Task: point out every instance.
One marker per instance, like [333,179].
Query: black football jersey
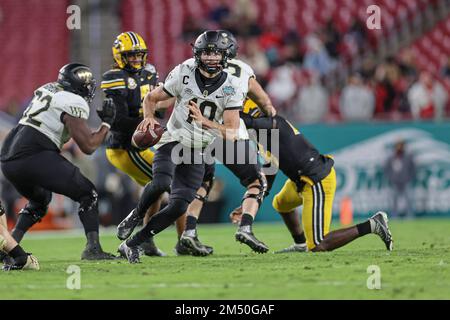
[128,91]
[297,157]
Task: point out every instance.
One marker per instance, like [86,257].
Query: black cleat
[192,242]
[382,229]
[130,253]
[126,227]
[181,250]
[96,253]
[150,249]
[31,263]
[245,235]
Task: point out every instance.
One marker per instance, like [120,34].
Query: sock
[299,238]
[137,239]
[17,251]
[89,218]
[246,220]
[191,223]
[93,240]
[364,228]
[20,257]
[24,222]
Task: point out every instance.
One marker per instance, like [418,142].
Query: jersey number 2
[212,110]
[41,99]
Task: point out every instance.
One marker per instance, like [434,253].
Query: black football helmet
[234,47]
[78,78]
[211,41]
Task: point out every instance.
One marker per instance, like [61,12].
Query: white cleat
[296,247]
[382,229]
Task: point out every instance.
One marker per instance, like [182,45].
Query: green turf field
[418,268]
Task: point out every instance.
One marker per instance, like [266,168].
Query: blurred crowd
[294,70]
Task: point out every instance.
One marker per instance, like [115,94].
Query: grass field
[418,268]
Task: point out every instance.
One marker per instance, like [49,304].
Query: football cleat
[130,253]
[96,253]
[192,242]
[382,229]
[126,227]
[181,250]
[296,247]
[150,249]
[245,235]
[31,264]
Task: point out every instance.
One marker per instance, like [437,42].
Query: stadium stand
[35,40]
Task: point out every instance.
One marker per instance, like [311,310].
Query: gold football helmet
[130,51]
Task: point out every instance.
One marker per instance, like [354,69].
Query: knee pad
[88,202]
[207,184]
[262,187]
[35,211]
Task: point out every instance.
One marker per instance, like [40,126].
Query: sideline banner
[360,151]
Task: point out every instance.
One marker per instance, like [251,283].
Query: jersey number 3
[209,113]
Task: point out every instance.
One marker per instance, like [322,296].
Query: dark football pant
[241,160]
[185,179]
[36,177]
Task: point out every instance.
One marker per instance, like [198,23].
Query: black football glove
[107,112]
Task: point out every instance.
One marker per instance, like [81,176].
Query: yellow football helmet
[129,43]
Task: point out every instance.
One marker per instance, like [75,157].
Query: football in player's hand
[147,139]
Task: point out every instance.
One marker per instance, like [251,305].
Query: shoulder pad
[150,68]
[114,79]
[114,74]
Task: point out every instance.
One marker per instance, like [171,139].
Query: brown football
[147,139]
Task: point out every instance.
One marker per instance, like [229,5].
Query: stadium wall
[360,151]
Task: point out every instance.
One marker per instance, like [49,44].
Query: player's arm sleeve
[172,84]
[114,87]
[122,121]
[258,123]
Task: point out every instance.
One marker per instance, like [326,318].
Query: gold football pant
[136,164]
[317,200]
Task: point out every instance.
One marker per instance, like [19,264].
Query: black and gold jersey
[128,91]
[297,157]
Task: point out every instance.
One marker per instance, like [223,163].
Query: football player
[22,260]
[311,183]
[127,84]
[31,159]
[206,97]
[254,92]
[291,146]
